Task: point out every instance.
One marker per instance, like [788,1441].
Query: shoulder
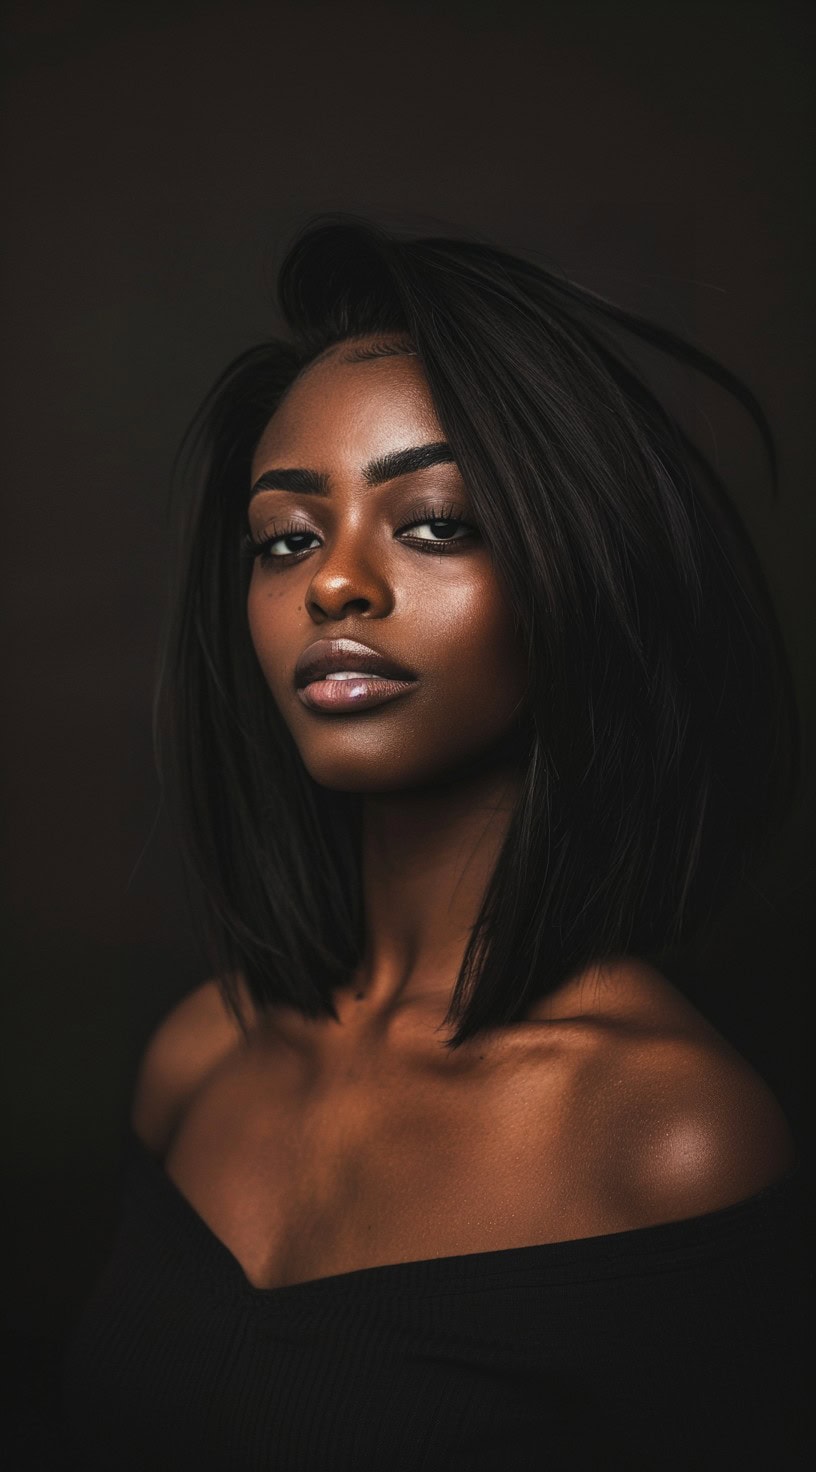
[682,1124]
[195,1037]
[705,1129]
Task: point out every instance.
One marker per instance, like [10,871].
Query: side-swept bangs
[662,741]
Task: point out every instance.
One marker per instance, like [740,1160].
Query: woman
[473,703]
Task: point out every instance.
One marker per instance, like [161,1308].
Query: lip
[327,656]
[344,697]
[380,678]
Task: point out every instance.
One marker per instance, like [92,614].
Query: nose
[349,577]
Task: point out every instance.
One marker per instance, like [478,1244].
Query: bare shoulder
[705,1129]
[685,1124]
[195,1037]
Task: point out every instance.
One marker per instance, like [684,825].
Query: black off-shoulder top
[679,1345]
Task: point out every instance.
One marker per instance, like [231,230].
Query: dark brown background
[157,159]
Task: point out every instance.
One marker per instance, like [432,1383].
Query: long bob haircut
[662,745]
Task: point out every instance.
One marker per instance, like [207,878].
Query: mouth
[343,675]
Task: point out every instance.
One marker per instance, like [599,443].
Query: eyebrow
[375,473]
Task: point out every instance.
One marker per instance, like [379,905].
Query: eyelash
[252,549]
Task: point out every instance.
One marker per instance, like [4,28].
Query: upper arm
[704,1132]
[190,1042]
[700,1130]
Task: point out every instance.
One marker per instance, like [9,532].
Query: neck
[427,858]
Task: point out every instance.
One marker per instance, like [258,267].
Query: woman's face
[361,561]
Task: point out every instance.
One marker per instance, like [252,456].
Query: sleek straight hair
[661,747]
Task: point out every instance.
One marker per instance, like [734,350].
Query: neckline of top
[610,1254]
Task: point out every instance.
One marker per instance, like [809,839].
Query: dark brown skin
[318,1147]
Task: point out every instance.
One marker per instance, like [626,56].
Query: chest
[305,1175]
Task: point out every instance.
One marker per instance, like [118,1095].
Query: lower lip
[343,696]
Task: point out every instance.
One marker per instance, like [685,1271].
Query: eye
[271,549]
[445,523]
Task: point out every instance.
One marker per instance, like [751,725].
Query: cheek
[273,621]
[474,653]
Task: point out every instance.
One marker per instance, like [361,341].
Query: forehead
[349,411]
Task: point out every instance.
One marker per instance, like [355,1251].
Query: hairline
[382,346]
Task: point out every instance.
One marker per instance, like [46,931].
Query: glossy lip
[327,656]
[346,697]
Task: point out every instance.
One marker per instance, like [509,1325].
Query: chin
[368,770]
[366,778]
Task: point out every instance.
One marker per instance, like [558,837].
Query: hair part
[366,352]
[662,748]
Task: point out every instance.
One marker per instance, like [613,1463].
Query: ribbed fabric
[672,1346]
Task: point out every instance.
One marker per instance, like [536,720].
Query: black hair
[663,738]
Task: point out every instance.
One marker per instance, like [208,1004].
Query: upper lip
[327,655]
